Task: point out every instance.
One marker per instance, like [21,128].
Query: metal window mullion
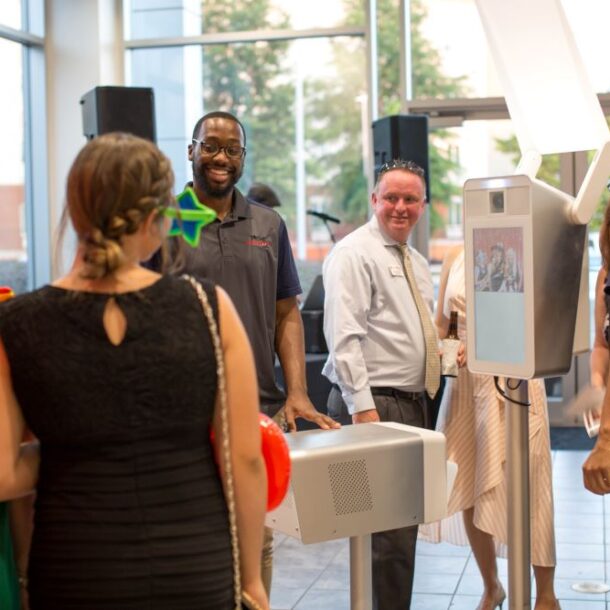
[406,63]
[20,36]
[35,178]
[248,36]
[372,87]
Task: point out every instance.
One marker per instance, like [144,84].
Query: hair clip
[189,218]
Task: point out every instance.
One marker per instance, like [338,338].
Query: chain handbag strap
[224,423]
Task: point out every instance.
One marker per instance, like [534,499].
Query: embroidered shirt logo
[260,243]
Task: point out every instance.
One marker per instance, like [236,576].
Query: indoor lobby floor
[316,577]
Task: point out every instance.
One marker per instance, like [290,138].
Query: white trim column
[83,50]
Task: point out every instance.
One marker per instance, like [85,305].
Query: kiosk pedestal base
[518,492]
[360,573]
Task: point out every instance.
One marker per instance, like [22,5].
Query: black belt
[377,391]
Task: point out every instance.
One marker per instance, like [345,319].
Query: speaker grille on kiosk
[349,482]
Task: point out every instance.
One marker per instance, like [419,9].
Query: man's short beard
[216,193]
[200,179]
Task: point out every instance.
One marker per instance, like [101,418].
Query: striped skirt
[473,420]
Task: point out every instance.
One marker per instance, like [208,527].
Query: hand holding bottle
[451,348]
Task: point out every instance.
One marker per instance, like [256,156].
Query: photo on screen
[498,260]
[499,294]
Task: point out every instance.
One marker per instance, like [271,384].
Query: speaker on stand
[402,137]
[128,109]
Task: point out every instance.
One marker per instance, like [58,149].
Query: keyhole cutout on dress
[115,322]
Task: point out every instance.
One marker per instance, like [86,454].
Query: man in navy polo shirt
[247,252]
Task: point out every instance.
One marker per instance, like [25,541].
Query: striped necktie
[433,362]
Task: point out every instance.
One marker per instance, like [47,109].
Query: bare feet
[493,599]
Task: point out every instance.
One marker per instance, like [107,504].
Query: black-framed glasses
[211,149]
[402,164]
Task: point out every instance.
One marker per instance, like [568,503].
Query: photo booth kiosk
[360,479]
[524,240]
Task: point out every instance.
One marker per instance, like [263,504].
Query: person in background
[473,421]
[15,536]
[121,393]
[263,193]
[9,583]
[246,250]
[596,469]
[383,347]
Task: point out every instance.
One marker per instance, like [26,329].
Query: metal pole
[300,161]
[372,90]
[518,496]
[360,573]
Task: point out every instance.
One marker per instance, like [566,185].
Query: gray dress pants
[393,551]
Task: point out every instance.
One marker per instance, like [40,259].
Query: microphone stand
[325,218]
[330,231]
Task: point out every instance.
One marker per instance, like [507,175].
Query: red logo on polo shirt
[260,243]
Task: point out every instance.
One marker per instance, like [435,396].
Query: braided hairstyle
[115,182]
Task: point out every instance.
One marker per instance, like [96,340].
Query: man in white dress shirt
[376,344]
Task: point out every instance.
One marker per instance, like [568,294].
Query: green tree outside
[249,80]
[254,81]
[348,188]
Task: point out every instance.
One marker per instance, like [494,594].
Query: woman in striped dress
[472,419]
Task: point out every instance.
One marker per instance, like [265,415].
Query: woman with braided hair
[132,511]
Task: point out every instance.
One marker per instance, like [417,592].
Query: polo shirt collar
[240,207]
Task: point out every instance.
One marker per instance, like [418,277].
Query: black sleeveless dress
[130,513]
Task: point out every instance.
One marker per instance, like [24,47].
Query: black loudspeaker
[402,137]
[129,109]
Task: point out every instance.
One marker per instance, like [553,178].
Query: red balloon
[277,460]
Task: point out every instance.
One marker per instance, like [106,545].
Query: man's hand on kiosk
[299,405]
[365,417]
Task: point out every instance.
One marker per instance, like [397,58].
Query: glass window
[151,18]
[440,45]
[589,21]
[474,150]
[10,13]
[466,58]
[13,238]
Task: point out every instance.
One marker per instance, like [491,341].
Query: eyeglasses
[211,149]
[401,164]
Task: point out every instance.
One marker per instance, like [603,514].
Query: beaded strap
[224,422]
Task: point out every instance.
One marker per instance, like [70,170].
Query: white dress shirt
[371,323]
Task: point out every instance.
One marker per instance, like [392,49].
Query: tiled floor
[316,576]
